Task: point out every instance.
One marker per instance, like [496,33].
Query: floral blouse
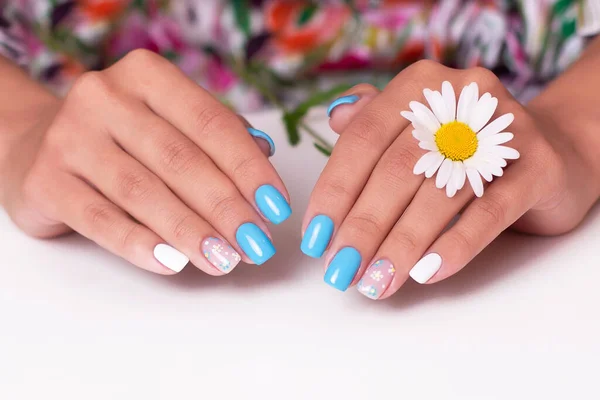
[252,52]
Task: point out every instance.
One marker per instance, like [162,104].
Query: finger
[95,217]
[355,155]
[264,141]
[343,109]
[386,195]
[211,126]
[188,172]
[146,198]
[423,221]
[484,219]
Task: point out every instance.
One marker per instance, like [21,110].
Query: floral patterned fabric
[249,52]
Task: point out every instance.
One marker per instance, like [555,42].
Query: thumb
[343,109]
[264,141]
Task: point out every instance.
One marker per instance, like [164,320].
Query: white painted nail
[170,257]
[426,268]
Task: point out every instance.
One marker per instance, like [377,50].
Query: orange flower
[282,18]
[102,9]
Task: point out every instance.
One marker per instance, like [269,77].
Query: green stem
[315,135]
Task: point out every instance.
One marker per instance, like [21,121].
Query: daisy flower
[461,144]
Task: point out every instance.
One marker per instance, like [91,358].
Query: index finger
[211,126]
[358,151]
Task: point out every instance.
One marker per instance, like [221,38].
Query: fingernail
[220,254]
[343,268]
[342,100]
[317,236]
[376,279]
[170,257]
[260,134]
[255,243]
[272,204]
[426,268]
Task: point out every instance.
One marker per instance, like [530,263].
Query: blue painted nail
[317,236]
[255,243]
[272,204]
[343,268]
[260,134]
[342,100]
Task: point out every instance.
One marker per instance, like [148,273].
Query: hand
[147,164]
[386,222]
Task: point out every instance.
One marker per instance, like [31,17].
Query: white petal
[451,187]
[485,172]
[433,169]
[475,181]
[423,135]
[475,91]
[424,116]
[496,126]
[443,174]
[482,112]
[493,159]
[428,146]
[459,175]
[494,169]
[436,102]
[426,161]
[408,115]
[496,139]
[449,99]
[508,153]
[462,112]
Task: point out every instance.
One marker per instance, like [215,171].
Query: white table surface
[520,322]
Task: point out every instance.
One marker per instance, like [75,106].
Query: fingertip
[344,109]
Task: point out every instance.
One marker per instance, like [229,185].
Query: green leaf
[319,98]
[292,119]
[322,149]
[306,14]
[291,122]
[242,15]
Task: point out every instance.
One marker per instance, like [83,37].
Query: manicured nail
[317,236]
[170,257]
[272,204]
[343,268]
[342,100]
[376,279]
[255,243]
[220,254]
[426,268]
[260,134]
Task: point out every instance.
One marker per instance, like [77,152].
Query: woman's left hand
[381,220]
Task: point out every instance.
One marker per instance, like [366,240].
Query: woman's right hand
[144,162]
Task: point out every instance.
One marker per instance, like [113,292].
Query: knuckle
[245,168]
[97,214]
[183,227]
[134,186]
[425,66]
[89,83]
[460,240]
[492,209]
[398,165]
[369,127]
[179,157]
[127,236]
[404,239]
[364,224]
[222,206]
[139,57]
[485,78]
[334,191]
[211,119]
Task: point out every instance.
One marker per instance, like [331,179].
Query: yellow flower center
[456,141]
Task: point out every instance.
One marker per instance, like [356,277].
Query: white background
[521,322]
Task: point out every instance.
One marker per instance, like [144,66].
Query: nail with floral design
[220,254]
[376,279]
